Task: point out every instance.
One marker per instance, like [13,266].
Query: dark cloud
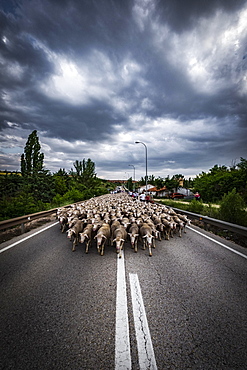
[92,77]
[181,16]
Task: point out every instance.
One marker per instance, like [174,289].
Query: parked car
[189,197]
[177,196]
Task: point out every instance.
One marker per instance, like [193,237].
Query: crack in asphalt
[141,321]
[144,342]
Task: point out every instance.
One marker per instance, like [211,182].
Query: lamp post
[140,142]
[131,165]
[127,177]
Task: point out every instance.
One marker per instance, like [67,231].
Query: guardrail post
[22,228]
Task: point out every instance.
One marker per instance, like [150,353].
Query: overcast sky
[94,76]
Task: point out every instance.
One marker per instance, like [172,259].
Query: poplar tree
[32,159]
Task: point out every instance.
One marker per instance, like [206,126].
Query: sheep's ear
[114,240]
[136,234]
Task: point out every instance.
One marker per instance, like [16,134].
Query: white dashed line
[122,342]
[143,337]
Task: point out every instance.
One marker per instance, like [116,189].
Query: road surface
[182,308]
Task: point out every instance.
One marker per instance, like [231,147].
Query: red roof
[155,189]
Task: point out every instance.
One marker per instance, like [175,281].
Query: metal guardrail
[241,230]
[6,224]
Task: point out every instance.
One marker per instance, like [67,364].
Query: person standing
[197,196]
[143,197]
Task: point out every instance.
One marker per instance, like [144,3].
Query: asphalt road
[58,307]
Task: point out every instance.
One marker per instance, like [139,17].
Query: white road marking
[122,342]
[216,241]
[143,337]
[27,237]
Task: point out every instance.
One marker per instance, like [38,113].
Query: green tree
[78,167]
[42,187]
[10,184]
[88,172]
[32,159]
[84,178]
[242,185]
[172,183]
[188,183]
[159,182]
[220,180]
[129,184]
[61,181]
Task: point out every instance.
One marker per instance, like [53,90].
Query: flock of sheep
[113,219]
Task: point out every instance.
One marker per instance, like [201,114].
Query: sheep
[102,236]
[86,236]
[168,226]
[159,226]
[73,233]
[146,237]
[63,221]
[125,222]
[97,225]
[119,237]
[185,219]
[155,232]
[60,211]
[179,225]
[134,234]
[118,212]
[115,224]
[72,221]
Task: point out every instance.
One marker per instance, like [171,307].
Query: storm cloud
[93,77]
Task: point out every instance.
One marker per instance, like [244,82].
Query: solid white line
[27,237]
[216,241]
[143,337]
[122,342]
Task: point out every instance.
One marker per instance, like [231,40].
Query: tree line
[36,189]
[212,185]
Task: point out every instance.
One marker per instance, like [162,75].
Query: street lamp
[127,177]
[140,142]
[131,165]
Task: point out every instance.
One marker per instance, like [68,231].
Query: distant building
[184,191]
[143,188]
[159,193]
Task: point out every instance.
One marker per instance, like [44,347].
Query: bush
[73,195]
[57,201]
[211,211]
[17,206]
[232,208]
[195,206]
